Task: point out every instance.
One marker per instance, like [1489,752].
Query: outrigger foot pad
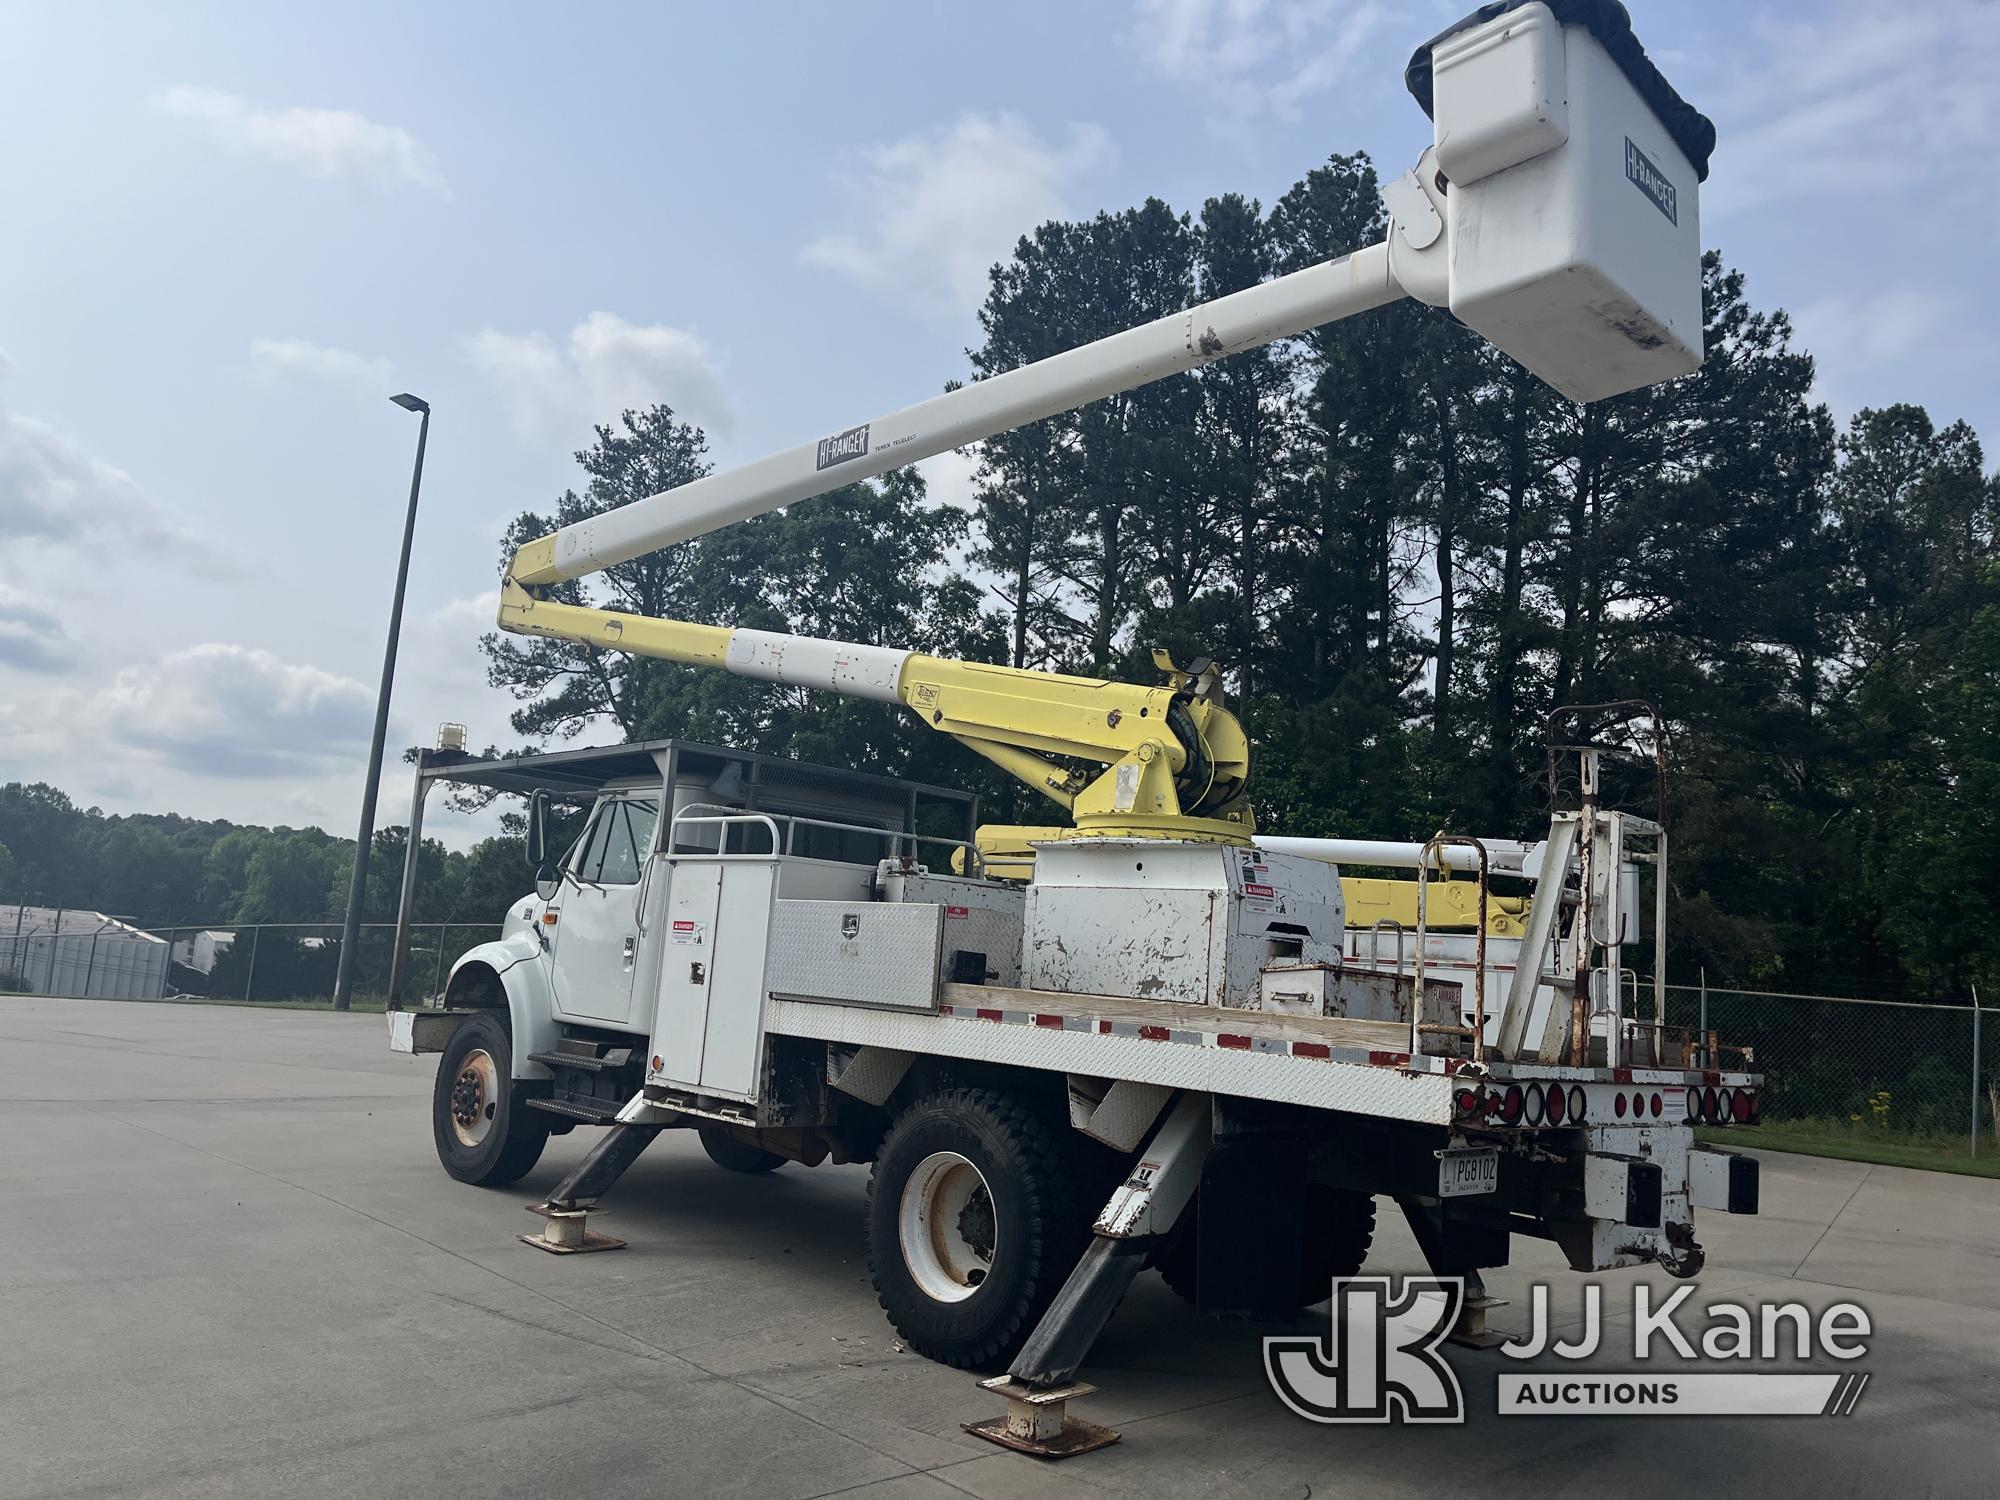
[1038,1421]
[567,1232]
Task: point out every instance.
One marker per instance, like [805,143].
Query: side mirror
[546,885]
[538,831]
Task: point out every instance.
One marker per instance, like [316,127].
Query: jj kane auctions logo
[1381,1360]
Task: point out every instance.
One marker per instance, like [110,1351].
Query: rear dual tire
[975,1218]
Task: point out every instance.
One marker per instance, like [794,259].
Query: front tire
[973,1223]
[485,1133]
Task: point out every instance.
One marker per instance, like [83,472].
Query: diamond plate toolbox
[885,954]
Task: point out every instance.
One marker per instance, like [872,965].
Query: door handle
[631,947]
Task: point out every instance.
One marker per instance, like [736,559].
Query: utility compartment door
[709,1028]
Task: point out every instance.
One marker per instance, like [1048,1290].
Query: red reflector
[1754,1111]
[1740,1107]
[1231,1040]
[1709,1106]
[1512,1103]
[1658,1105]
[1618,1106]
[1054,1023]
[1556,1104]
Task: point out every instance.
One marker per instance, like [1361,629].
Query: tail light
[1618,1105]
[1743,1107]
[1709,1105]
[1725,1107]
[1658,1105]
[1693,1105]
[1467,1101]
[1511,1104]
[1755,1110]
[1531,1104]
[1576,1104]
[1557,1105]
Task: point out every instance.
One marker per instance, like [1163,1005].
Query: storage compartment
[875,953]
[1571,204]
[1157,919]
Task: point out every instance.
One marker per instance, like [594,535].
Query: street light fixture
[357,890]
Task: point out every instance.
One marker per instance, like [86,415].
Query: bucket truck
[1145,1034]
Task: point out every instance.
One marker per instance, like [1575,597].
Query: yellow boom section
[1126,761]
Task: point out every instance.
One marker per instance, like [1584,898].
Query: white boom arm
[1579,257]
[1182,341]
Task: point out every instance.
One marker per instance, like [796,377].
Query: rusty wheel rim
[475,1097]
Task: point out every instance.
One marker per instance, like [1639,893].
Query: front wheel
[974,1221]
[485,1133]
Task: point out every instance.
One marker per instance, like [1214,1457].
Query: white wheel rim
[475,1097]
[946,1227]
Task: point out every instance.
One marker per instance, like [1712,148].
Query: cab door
[596,948]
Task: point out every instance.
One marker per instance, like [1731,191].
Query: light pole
[357,890]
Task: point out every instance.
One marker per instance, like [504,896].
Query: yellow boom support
[1126,761]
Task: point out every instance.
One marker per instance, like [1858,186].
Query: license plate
[1467,1174]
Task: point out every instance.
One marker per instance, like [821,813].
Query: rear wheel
[485,1133]
[1340,1228]
[974,1221]
[726,1149]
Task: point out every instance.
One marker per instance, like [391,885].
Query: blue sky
[232,231]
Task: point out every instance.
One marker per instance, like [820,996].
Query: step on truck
[1146,1033]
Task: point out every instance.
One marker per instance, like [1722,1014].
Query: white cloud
[1864,345]
[949,477]
[334,144]
[605,367]
[942,208]
[1854,100]
[221,710]
[280,359]
[52,489]
[1245,56]
[31,633]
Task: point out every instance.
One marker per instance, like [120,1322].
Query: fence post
[1701,1033]
[1975,1070]
[250,969]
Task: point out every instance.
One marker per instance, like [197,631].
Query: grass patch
[1846,1142]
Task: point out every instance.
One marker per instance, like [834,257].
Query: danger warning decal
[686,931]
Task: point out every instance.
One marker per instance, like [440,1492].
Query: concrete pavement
[230,1265]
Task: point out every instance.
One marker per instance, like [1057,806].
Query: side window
[628,839]
[589,858]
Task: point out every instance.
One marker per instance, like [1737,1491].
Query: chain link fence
[296,961]
[1882,1074]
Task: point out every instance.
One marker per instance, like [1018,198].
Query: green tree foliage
[166,871]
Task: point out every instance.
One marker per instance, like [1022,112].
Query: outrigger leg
[1454,1248]
[569,1205]
[1038,1385]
